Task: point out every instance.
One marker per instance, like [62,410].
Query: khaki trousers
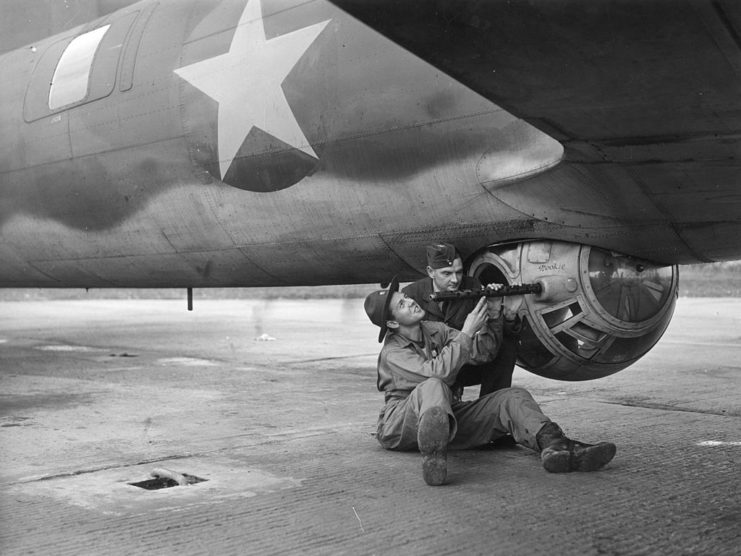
[472,424]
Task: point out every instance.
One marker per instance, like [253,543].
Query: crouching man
[417,366]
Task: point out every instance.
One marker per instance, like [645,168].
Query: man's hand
[511,306]
[476,318]
[494,304]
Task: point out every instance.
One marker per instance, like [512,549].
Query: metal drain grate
[164,478]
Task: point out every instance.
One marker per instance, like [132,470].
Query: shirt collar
[403,341]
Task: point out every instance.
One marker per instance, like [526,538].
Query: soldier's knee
[516,393]
[434,392]
[433,384]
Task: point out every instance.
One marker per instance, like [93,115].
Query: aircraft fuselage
[250,143]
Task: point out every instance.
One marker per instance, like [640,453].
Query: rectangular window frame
[102,75]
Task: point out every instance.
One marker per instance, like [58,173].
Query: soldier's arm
[405,366]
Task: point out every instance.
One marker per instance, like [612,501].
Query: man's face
[448,278]
[405,310]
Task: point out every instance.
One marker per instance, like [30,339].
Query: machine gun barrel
[504,291]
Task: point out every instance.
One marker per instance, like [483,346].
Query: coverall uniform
[416,377]
[493,374]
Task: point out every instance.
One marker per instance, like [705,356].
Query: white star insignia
[246,83]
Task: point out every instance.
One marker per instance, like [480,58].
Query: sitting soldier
[420,361]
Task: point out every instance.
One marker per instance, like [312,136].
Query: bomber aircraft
[588,147]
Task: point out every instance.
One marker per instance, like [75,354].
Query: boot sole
[595,457]
[432,438]
[586,459]
[556,462]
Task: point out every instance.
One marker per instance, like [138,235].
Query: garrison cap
[441,255]
[377,306]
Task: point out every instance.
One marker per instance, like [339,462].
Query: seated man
[445,274]
[420,361]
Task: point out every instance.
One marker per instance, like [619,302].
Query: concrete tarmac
[273,404]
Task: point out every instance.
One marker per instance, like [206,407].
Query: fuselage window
[72,75]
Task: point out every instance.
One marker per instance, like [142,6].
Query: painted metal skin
[278,142]
[645,97]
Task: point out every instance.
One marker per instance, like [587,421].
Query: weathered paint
[127,189]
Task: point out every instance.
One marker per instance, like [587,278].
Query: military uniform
[416,377]
[493,375]
[416,368]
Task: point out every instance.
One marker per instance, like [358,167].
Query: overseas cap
[377,306]
[441,255]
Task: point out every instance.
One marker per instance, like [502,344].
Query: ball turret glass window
[629,289]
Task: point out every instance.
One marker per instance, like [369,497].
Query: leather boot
[560,454]
[432,439]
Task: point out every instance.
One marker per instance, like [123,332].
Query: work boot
[432,439]
[560,454]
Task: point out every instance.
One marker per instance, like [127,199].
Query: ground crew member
[445,273]
[418,364]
